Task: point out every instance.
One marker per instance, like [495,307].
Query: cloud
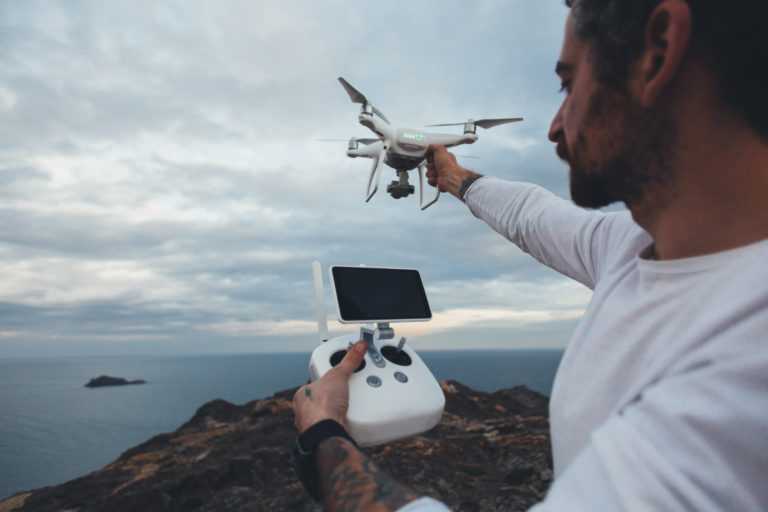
[56,281]
[161,185]
[492,318]
[262,328]
[8,99]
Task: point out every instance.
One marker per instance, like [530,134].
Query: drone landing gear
[399,188]
[375,177]
[422,168]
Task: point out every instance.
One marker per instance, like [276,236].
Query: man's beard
[633,157]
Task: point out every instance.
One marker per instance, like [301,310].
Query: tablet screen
[379,294]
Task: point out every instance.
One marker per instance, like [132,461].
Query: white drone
[404,149]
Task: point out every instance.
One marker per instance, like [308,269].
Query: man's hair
[731,36]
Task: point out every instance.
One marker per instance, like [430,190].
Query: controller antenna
[322,320]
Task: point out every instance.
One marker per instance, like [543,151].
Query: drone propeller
[483,123]
[358,97]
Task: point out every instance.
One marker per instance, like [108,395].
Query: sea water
[53,429]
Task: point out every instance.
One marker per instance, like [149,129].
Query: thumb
[431,150]
[435,148]
[352,360]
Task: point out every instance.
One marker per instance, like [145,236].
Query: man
[661,400]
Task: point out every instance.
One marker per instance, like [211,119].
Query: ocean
[53,429]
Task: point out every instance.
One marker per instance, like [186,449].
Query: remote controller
[392,394]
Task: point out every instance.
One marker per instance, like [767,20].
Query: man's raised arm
[578,243]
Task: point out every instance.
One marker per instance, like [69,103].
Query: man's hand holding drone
[444,172]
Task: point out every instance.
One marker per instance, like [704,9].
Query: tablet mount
[371,336]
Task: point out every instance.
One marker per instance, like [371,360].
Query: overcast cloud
[161,189]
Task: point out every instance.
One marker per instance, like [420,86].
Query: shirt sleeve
[696,441]
[424,505]
[569,239]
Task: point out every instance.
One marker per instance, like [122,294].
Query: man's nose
[556,127]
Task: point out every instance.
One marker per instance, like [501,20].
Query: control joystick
[396,356]
[337,356]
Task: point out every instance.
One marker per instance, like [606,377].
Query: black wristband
[468,183]
[304,453]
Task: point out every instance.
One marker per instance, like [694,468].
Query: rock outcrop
[103,381]
[491,451]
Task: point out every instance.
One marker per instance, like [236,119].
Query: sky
[162,190]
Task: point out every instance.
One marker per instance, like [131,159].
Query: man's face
[615,148]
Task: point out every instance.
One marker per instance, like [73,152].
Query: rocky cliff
[489,452]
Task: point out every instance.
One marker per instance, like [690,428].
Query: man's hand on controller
[444,172]
[348,480]
[327,397]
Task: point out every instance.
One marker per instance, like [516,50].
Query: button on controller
[373,381]
[401,377]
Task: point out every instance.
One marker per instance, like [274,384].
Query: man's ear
[667,40]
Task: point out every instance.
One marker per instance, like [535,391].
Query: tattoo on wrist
[350,481]
[468,181]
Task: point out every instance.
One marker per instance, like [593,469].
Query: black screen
[371,294]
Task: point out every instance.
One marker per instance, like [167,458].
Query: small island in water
[105,380]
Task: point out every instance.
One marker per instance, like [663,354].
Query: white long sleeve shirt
[661,399]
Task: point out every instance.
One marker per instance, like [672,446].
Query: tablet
[374,294]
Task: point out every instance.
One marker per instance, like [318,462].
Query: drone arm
[422,167]
[449,140]
[374,178]
[377,126]
[369,151]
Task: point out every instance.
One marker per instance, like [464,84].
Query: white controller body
[387,400]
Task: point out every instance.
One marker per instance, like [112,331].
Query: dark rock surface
[105,380]
[490,451]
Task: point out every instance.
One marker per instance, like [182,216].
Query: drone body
[403,149]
